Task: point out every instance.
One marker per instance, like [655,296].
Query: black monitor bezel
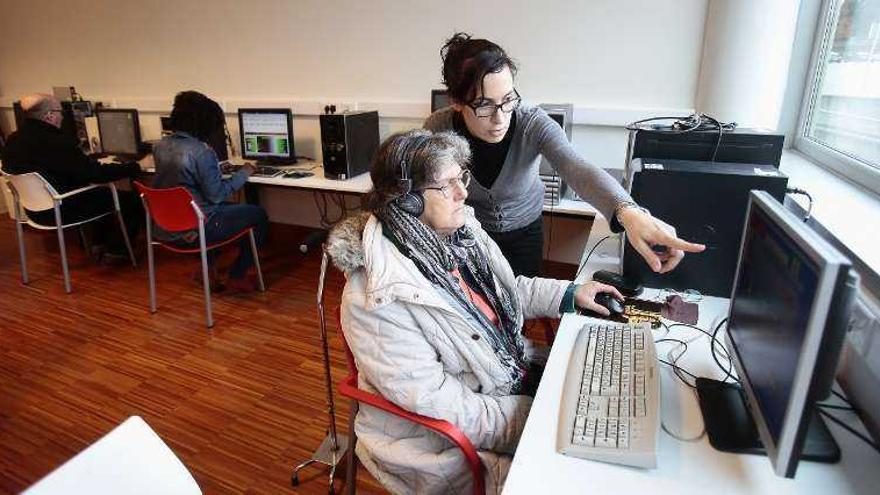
[291,158]
[137,129]
[785,454]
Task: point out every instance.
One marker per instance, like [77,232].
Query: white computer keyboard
[611,398]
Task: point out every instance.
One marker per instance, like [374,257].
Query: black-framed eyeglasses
[463,179]
[485,108]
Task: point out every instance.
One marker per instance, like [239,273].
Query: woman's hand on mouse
[646,233]
[585,296]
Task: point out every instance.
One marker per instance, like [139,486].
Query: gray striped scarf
[436,257]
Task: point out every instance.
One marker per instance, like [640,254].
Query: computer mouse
[608,302]
[627,287]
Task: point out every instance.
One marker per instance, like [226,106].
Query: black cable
[850,429]
[726,355]
[691,123]
[841,397]
[676,369]
[727,371]
[794,190]
[714,344]
[835,406]
[587,259]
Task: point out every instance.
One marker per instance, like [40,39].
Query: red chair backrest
[171,209]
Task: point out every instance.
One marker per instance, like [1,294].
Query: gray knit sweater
[516,198]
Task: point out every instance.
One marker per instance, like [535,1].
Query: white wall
[746,56]
[616,61]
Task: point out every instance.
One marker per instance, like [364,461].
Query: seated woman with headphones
[433,315]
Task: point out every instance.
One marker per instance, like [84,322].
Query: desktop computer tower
[348,142]
[706,202]
[741,145]
[554,186]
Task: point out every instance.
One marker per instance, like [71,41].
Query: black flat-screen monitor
[120,131]
[789,311]
[267,135]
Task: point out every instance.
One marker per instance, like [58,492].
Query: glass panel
[846,112]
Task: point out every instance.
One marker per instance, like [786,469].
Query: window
[840,120]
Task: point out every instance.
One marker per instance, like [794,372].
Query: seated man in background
[40,146]
[185,159]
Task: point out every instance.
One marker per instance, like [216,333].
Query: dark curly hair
[196,115]
[466,61]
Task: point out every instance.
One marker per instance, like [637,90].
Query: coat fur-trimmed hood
[345,245]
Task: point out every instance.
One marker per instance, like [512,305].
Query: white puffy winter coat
[418,351]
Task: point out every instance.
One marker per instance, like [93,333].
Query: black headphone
[409,201]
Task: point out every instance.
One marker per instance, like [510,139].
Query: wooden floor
[240,405]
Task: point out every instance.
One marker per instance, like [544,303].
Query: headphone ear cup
[412,203]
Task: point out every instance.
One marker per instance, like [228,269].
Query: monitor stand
[730,427]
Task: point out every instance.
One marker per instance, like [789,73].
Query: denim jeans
[227,219]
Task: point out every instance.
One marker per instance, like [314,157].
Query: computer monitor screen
[267,134]
[165,122]
[120,131]
[439,99]
[788,315]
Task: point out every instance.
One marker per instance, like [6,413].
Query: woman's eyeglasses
[485,109]
[463,179]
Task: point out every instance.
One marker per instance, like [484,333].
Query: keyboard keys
[614,410]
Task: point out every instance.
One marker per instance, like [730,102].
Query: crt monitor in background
[789,310]
[120,131]
[439,99]
[267,134]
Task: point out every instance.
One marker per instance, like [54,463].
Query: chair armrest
[78,191]
[348,389]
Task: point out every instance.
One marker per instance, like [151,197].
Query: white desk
[359,185]
[683,467]
[130,460]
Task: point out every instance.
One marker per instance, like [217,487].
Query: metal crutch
[332,449]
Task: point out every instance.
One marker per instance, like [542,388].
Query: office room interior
[237,406]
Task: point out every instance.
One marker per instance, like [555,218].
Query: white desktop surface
[360,184]
[130,460]
[683,467]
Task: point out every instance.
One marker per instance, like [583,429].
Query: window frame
[849,167]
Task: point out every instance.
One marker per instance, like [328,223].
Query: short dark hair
[425,154]
[196,115]
[466,61]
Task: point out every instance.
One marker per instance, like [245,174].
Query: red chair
[174,210]
[349,388]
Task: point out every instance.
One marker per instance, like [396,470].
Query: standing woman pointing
[507,139]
